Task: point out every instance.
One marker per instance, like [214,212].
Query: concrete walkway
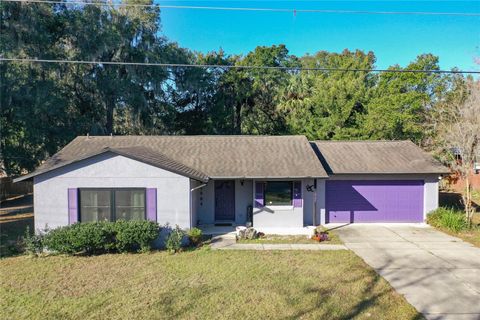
[281,246]
[228,242]
[438,274]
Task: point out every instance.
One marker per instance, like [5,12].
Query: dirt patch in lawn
[201,284]
[299,239]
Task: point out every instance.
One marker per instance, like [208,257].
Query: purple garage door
[374,201]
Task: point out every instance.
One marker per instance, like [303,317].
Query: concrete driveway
[438,274]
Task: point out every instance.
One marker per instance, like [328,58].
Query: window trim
[112,200]
[278,206]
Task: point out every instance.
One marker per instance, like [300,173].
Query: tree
[400,102]
[458,128]
[329,104]
[44,106]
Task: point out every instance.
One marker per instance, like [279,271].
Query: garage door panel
[374,201]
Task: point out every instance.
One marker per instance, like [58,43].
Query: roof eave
[204,178]
[269,177]
[392,173]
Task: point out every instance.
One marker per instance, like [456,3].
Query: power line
[292,10]
[219,66]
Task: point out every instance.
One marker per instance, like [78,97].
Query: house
[269,181]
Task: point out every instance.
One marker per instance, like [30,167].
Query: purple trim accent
[151,195]
[297,194]
[374,201]
[72,205]
[259,195]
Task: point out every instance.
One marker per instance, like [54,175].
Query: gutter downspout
[191,200]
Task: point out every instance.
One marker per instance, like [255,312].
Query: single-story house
[268,181]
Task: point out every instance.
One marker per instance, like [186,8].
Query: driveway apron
[438,274]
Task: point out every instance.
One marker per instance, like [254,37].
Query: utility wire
[185,65]
[294,11]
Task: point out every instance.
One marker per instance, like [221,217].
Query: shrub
[195,236]
[33,243]
[101,237]
[447,218]
[135,235]
[174,240]
[89,238]
[248,233]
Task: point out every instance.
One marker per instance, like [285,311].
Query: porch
[215,230]
[273,206]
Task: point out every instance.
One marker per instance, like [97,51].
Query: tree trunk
[110,106]
[238,118]
[468,201]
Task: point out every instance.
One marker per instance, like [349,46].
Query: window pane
[130,204]
[278,193]
[126,213]
[95,205]
[91,214]
[95,198]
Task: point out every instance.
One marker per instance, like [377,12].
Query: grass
[453,201]
[12,228]
[469,235]
[201,284]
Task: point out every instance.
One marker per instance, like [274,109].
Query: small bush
[101,237]
[33,243]
[195,236]
[447,218]
[88,238]
[174,240]
[248,234]
[135,235]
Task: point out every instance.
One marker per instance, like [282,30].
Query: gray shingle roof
[212,156]
[376,157]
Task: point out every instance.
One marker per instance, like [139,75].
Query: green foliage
[135,235]
[44,106]
[102,237]
[450,219]
[88,238]
[33,243]
[174,240]
[330,104]
[195,236]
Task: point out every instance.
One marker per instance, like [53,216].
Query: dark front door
[224,200]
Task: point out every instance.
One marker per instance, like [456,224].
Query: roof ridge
[199,135]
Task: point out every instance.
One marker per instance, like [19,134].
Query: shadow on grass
[12,231]
[371,292]
[454,200]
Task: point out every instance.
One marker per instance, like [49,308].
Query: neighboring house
[456,183]
[270,181]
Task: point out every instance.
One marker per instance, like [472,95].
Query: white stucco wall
[205,202]
[285,216]
[110,171]
[430,194]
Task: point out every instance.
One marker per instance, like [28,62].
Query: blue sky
[395,39]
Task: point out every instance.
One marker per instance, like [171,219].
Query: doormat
[223,224]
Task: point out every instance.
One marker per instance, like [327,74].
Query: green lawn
[12,229]
[200,284]
[286,239]
[453,200]
[471,235]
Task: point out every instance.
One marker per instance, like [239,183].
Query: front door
[224,200]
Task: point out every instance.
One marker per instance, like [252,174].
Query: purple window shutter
[151,196]
[297,194]
[72,205]
[259,197]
